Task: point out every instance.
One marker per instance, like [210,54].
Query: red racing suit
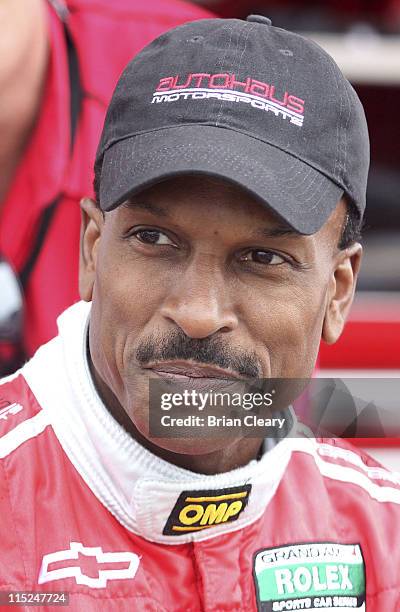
[313,524]
[106,36]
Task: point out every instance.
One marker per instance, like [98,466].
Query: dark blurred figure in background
[384,14]
[59,63]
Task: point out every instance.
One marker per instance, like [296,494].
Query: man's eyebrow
[265,232]
[277,231]
[147,206]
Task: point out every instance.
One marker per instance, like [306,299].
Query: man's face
[194,277]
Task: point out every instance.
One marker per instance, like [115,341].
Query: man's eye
[263,257]
[152,236]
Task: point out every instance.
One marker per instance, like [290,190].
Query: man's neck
[22,81]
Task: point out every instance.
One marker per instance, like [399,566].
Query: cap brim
[302,196]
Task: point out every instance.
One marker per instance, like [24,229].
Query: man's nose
[199,302]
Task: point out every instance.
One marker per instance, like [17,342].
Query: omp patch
[313,576]
[197,510]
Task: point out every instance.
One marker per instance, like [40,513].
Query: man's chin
[157,429]
[179,442]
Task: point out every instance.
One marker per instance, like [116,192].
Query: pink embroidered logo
[226,87]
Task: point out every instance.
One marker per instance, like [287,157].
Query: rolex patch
[313,576]
[198,510]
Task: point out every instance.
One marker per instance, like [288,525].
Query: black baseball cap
[257,105]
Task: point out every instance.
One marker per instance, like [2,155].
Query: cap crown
[268,83]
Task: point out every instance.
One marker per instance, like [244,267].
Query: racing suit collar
[148,495]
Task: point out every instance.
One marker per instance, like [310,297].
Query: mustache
[211,351]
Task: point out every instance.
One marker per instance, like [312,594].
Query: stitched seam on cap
[257,170]
[346,133]
[222,62]
[337,167]
[230,129]
[247,30]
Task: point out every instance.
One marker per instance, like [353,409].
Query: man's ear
[341,292]
[92,222]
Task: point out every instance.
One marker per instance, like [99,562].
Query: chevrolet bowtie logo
[98,558]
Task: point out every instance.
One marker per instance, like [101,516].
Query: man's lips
[184,369]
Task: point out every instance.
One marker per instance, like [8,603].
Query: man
[59,63]
[230,182]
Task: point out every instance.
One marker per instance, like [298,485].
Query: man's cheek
[292,337]
[137,290]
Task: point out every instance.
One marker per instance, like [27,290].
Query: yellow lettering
[214,514]
[189,520]
[211,514]
[233,509]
